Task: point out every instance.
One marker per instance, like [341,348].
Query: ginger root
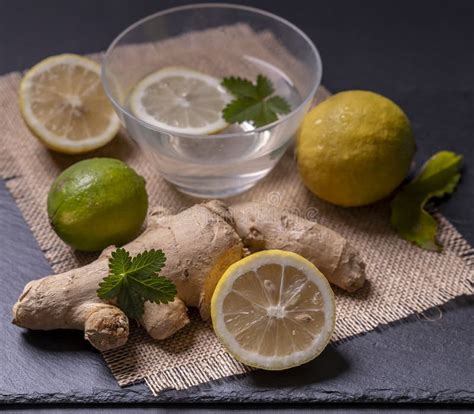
[264,227]
[200,243]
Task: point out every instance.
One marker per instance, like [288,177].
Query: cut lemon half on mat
[63,103]
[273,310]
[180,100]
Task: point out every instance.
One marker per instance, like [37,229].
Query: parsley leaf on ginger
[438,177]
[134,280]
[253,102]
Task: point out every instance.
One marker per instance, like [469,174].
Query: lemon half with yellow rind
[62,101]
[273,310]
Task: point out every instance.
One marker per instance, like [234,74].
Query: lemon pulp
[63,103]
[273,310]
[180,100]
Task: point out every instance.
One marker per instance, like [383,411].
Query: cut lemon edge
[253,358]
[140,111]
[63,143]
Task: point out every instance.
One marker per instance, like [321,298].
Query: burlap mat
[402,279]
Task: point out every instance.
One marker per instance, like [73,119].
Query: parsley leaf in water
[254,102]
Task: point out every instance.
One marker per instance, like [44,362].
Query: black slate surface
[248,409]
[425,358]
[421,55]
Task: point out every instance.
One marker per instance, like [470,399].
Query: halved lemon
[180,100]
[273,310]
[63,103]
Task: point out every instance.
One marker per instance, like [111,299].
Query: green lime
[355,148]
[96,203]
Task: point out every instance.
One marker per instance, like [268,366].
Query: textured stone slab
[418,360]
[379,47]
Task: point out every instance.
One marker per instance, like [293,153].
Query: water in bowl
[219,166]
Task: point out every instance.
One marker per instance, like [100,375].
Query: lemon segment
[180,100]
[63,103]
[273,310]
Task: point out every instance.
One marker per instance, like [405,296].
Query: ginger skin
[199,243]
[264,227]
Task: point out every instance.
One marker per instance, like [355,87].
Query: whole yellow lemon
[355,148]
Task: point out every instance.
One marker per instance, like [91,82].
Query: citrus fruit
[355,148]
[96,203]
[273,310]
[63,103]
[180,100]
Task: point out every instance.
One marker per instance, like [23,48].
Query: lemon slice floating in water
[180,100]
[273,310]
[63,103]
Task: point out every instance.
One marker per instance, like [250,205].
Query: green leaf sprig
[437,178]
[134,280]
[253,102]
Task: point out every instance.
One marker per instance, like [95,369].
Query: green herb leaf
[253,102]
[157,289]
[132,281]
[130,301]
[278,104]
[438,177]
[148,262]
[264,87]
[240,88]
[120,261]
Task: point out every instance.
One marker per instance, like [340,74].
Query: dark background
[418,53]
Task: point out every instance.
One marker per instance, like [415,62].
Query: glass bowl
[220,40]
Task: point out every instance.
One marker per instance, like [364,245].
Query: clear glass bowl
[220,40]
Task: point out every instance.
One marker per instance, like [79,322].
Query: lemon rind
[138,110]
[51,140]
[272,362]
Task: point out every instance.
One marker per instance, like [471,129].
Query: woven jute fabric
[402,279]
